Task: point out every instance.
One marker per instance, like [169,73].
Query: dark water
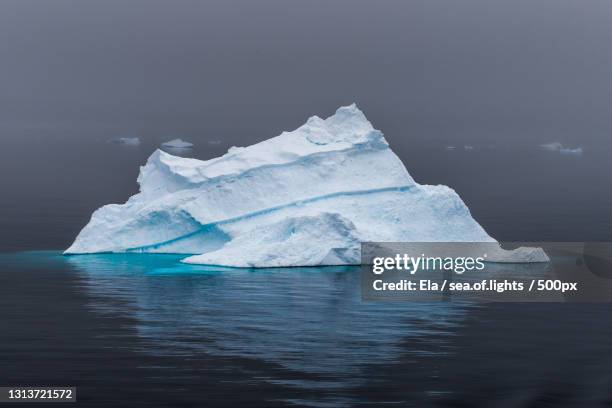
[143,330]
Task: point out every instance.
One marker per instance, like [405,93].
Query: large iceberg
[306,197]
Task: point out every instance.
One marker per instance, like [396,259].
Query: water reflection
[308,320]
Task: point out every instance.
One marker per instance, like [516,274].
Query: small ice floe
[566,150]
[468,147]
[553,147]
[128,141]
[450,147]
[177,144]
[558,147]
[214,142]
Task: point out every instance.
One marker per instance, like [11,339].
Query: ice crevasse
[306,197]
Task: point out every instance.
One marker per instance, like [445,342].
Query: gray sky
[428,70]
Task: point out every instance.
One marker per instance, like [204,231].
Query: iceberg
[304,198]
[558,147]
[569,150]
[177,144]
[553,146]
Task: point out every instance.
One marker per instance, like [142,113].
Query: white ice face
[306,197]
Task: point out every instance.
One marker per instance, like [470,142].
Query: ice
[559,147]
[177,144]
[306,197]
[567,150]
[333,241]
[554,146]
[128,141]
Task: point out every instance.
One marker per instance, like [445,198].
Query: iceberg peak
[350,113]
[346,129]
[347,125]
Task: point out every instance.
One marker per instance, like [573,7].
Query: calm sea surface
[145,330]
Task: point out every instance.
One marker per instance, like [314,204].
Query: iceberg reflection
[310,320]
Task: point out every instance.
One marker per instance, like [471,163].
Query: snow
[128,141]
[177,144]
[306,197]
[281,243]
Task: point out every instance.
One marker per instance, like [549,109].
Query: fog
[425,72]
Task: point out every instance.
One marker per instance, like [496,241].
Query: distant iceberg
[553,147]
[304,198]
[566,150]
[558,147]
[177,144]
[128,141]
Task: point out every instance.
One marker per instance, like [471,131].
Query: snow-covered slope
[306,197]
